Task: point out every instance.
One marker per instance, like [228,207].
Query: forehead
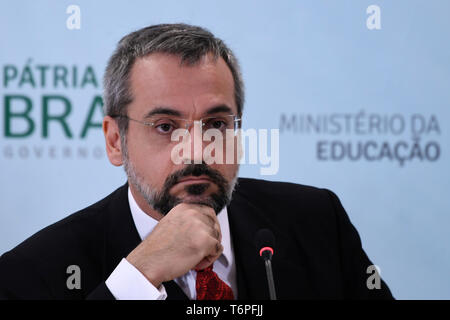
[161,80]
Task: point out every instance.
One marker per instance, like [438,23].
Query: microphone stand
[268,264]
[267,257]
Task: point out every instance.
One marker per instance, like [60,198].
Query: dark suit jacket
[318,253]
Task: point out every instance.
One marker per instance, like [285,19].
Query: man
[186,229]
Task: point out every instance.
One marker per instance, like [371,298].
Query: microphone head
[265,242]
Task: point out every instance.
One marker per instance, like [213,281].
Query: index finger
[206,209]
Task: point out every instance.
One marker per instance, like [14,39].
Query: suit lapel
[247,215]
[245,220]
[121,236]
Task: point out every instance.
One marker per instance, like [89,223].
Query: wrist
[147,270]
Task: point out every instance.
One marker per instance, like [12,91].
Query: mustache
[196,170]
[165,202]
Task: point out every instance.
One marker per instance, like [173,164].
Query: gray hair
[189,42]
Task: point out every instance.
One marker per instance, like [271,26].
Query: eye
[164,128]
[216,123]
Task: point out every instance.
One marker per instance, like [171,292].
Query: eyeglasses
[162,127]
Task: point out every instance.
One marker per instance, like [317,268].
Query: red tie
[210,287]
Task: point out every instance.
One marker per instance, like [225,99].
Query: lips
[192,179]
[201,179]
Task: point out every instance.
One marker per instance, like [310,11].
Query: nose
[194,134]
[197,147]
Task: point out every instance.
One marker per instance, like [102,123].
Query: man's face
[163,88]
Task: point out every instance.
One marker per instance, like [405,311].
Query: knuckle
[189,212]
[200,240]
[195,245]
[195,224]
[210,212]
[216,233]
[220,249]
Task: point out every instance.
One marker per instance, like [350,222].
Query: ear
[112,139]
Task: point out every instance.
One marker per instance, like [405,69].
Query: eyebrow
[218,109]
[163,110]
[173,112]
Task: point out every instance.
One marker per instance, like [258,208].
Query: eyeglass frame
[236,120]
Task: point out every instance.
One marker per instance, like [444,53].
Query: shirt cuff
[128,283]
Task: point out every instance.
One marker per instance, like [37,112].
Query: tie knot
[210,287]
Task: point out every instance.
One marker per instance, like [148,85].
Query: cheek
[229,153]
[228,171]
[151,164]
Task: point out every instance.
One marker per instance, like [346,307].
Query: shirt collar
[145,224]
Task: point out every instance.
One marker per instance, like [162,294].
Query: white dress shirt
[128,283]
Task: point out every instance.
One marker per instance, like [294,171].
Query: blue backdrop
[361,98]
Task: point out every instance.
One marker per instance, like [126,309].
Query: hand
[187,237]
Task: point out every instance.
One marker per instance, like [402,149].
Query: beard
[162,201]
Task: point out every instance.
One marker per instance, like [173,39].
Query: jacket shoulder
[37,268]
[285,203]
[81,229]
[264,189]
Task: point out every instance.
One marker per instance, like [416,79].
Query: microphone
[265,242]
